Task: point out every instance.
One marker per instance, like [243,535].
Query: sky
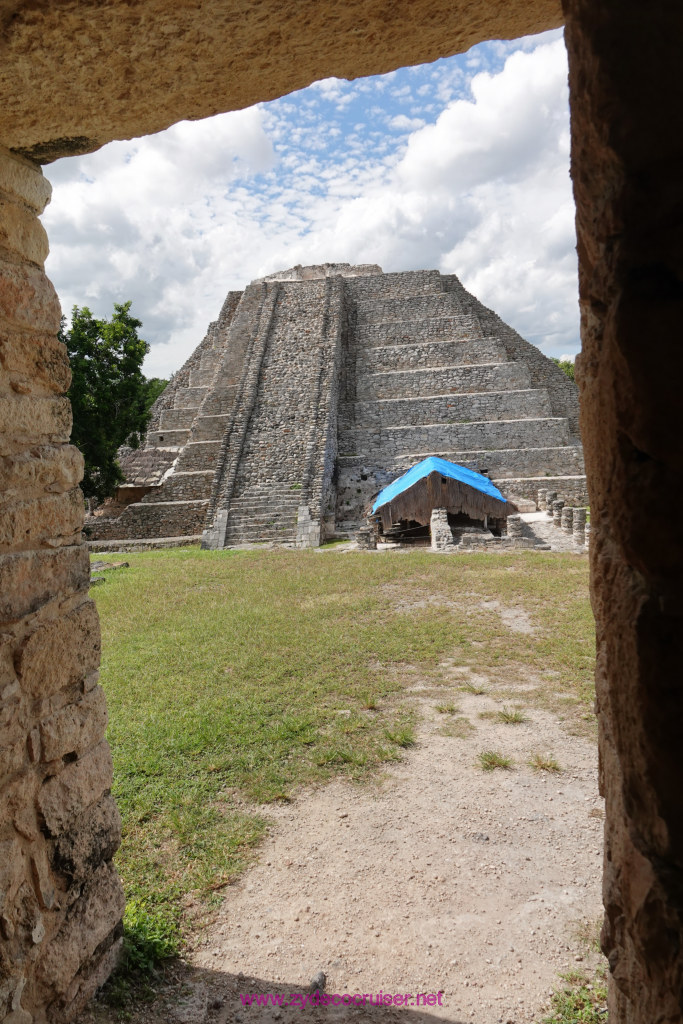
[461,166]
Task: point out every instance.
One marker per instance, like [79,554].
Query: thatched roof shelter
[436,483]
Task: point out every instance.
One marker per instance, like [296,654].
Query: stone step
[486,406]
[210,428]
[443,380]
[425,355]
[252,522]
[245,511]
[403,332]
[398,285]
[220,401]
[182,486]
[236,522]
[189,398]
[415,307]
[198,455]
[260,535]
[167,438]
[159,519]
[564,460]
[382,443]
[254,502]
[202,375]
[177,419]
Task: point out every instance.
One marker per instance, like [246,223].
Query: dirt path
[436,878]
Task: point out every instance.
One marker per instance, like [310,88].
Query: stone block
[28,420]
[29,579]
[14,714]
[24,180]
[17,1015]
[44,469]
[63,798]
[32,523]
[27,297]
[75,728]
[12,757]
[95,838]
[42,880]
[40,360]
[88,923]
[441,533]
[92,976]
[21,232]
[12,871]
[515,526]
[17,804]
[61,652]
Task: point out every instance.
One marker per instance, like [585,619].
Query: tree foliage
[567,366]
[110,396]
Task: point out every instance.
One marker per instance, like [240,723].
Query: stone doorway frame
[58,829]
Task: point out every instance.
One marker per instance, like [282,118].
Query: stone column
[579,526]
[442,535]
[366,538]
[587,535]
[541,501]
[307,529]
[558,505]
[567,519]
[550,497]
[514,526]
[61,901]
[626,95]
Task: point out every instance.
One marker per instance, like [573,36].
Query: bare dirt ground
[436,877]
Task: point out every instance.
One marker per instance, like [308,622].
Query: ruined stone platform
[317,386]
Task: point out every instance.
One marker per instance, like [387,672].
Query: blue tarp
[436,465]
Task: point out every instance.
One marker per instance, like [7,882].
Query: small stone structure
[515,526]
[558,505]
[249,443]
[579,526]
[567,519]
[440,531]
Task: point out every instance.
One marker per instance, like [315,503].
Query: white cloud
[406,124]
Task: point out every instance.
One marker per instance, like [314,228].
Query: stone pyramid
[317,386]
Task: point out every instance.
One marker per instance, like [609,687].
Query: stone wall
[60,900]
[626,160]
[543,372]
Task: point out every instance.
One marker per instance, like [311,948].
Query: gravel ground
[438,877]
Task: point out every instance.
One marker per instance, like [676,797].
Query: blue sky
[461,165]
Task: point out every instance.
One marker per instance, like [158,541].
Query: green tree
[109,394]
[566,365]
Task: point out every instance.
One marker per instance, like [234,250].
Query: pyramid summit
[318,386]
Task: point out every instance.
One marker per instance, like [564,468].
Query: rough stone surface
[439,530]
[627,184]
[253,443]
[63,798]
[59,908]
[142,66]
[37,362]
[61,652]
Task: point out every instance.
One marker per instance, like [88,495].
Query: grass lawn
[234,677]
